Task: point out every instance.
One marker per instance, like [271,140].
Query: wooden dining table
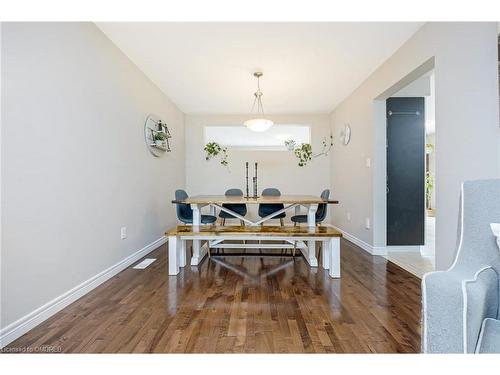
[295,202]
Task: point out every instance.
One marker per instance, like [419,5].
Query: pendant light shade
[260,123]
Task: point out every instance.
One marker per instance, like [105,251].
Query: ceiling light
[259,124]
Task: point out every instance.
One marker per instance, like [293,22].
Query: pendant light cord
[258,99]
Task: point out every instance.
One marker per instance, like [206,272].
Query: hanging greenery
[303,153]
[327,146]
[213,149]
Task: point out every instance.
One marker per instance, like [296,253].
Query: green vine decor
[213,149]
[303,153]
[327,146]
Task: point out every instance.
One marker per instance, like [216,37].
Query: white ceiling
[308,67]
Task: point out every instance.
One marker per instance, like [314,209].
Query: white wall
[74,163]
[467,131]
[419,87]
[276,168]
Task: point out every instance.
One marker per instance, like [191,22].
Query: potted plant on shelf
[159,139]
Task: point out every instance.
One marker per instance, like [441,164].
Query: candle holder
[248,192]
[255,181]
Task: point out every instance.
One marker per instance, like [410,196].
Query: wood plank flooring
[232,304]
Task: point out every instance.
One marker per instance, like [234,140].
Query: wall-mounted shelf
[162,148]
[156,135]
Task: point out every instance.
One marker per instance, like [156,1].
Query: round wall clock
[345,134]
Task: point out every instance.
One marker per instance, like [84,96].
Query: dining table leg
[311,215]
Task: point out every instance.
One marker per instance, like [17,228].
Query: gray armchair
[461,305]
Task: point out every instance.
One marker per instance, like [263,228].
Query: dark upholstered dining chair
[185,212]
[266,209]
[320,212]
[240,209]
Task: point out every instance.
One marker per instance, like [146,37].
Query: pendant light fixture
[258,124]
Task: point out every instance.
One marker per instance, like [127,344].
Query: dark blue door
[405,171]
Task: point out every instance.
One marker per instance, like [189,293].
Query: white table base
[309,254]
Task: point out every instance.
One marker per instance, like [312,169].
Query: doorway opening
[411,171]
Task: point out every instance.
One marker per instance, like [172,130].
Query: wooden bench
[295,236]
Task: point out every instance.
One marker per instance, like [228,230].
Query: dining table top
[226,199]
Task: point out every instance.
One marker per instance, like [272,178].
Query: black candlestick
[248,193]
[255,182]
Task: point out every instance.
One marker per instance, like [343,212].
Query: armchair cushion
[480,303]
[489,340]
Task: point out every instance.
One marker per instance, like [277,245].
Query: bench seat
[208,231]
[329,237]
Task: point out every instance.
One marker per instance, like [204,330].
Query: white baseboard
[34,318]
[404,249]
[373,250]
[379,250]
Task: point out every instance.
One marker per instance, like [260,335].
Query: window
[238,136]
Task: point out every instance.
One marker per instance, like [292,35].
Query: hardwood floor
[234,304]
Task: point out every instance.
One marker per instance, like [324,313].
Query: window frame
[255,147]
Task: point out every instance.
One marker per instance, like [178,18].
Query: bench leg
[310,253]
[334,245]
[325,254]
[199,252]
[182,253]
[195,259]
[174,244]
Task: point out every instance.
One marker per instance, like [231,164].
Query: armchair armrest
[454,308]
[442,312]
[480,302]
